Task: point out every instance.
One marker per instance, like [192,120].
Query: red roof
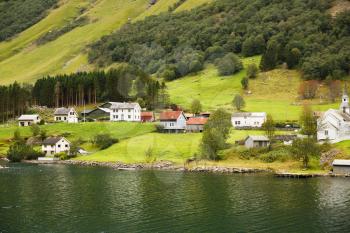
[197,121]
[146,114]
[170,115]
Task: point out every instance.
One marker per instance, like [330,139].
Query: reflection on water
[55,198]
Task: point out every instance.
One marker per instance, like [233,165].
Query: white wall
[132,114]
[62,146]
[255,122]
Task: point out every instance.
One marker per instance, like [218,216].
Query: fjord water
[57,198]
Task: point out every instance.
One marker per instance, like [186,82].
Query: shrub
[20,151]
[159,128]
[245,83]
[62,156]
[229,64]
[281,154]
[103,141]
[249,153]
[35,130]
[252,71]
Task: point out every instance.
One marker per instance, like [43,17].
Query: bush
[281,154]
[245,83]
[103,141]
[229,64]
[62,156]
[250,153]
[21,151]
[159,128]
[252,71]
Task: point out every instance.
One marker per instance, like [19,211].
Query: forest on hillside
[18,15]
[124,83]
[300,33]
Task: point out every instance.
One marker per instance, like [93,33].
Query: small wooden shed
[341,167]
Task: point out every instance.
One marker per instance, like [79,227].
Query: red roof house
[173,121]
[196,124]
[147,117]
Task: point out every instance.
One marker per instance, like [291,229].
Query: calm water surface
[55,198]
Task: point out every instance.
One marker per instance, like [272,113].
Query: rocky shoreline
[169,166]
[164,165]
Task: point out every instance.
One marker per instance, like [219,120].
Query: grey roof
[116,105]
[62,111]
[249,114]
[51,140]
[28,117]
[258,138]
[86,111]
[341,162]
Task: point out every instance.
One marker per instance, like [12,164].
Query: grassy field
[274,92]
[171,147]
[84,131]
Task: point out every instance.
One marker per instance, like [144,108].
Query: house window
[66,145]
[59,146]
[129,110]
[237,122]
[65,118]
[326,132]
[129,116]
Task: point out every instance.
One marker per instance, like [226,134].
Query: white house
[256,141]
[68,115]
[248,119]
[125,112]
[55,145]
[334,125]
[173,121]
[27,120]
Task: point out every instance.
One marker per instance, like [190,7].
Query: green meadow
[274,92]
[84,131]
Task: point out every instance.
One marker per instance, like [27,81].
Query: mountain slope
[22,60]
[275,92]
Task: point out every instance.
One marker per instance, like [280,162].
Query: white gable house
[334,125]
[125,112]
[68,115]
[173,121]
[28,120]
[248,119]
[55,145]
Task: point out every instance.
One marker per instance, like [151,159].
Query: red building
[147,117]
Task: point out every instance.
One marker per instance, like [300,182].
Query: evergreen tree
[269,58]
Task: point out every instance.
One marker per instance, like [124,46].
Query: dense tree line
[300,33]
[18,15]
[124,83]
[14,100]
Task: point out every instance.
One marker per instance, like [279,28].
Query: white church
[334,125]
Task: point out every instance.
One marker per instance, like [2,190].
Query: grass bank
[274,92]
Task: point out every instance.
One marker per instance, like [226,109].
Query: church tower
[344,107]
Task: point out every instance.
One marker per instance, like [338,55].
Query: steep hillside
[299,33]
[22,59]
[17,15]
